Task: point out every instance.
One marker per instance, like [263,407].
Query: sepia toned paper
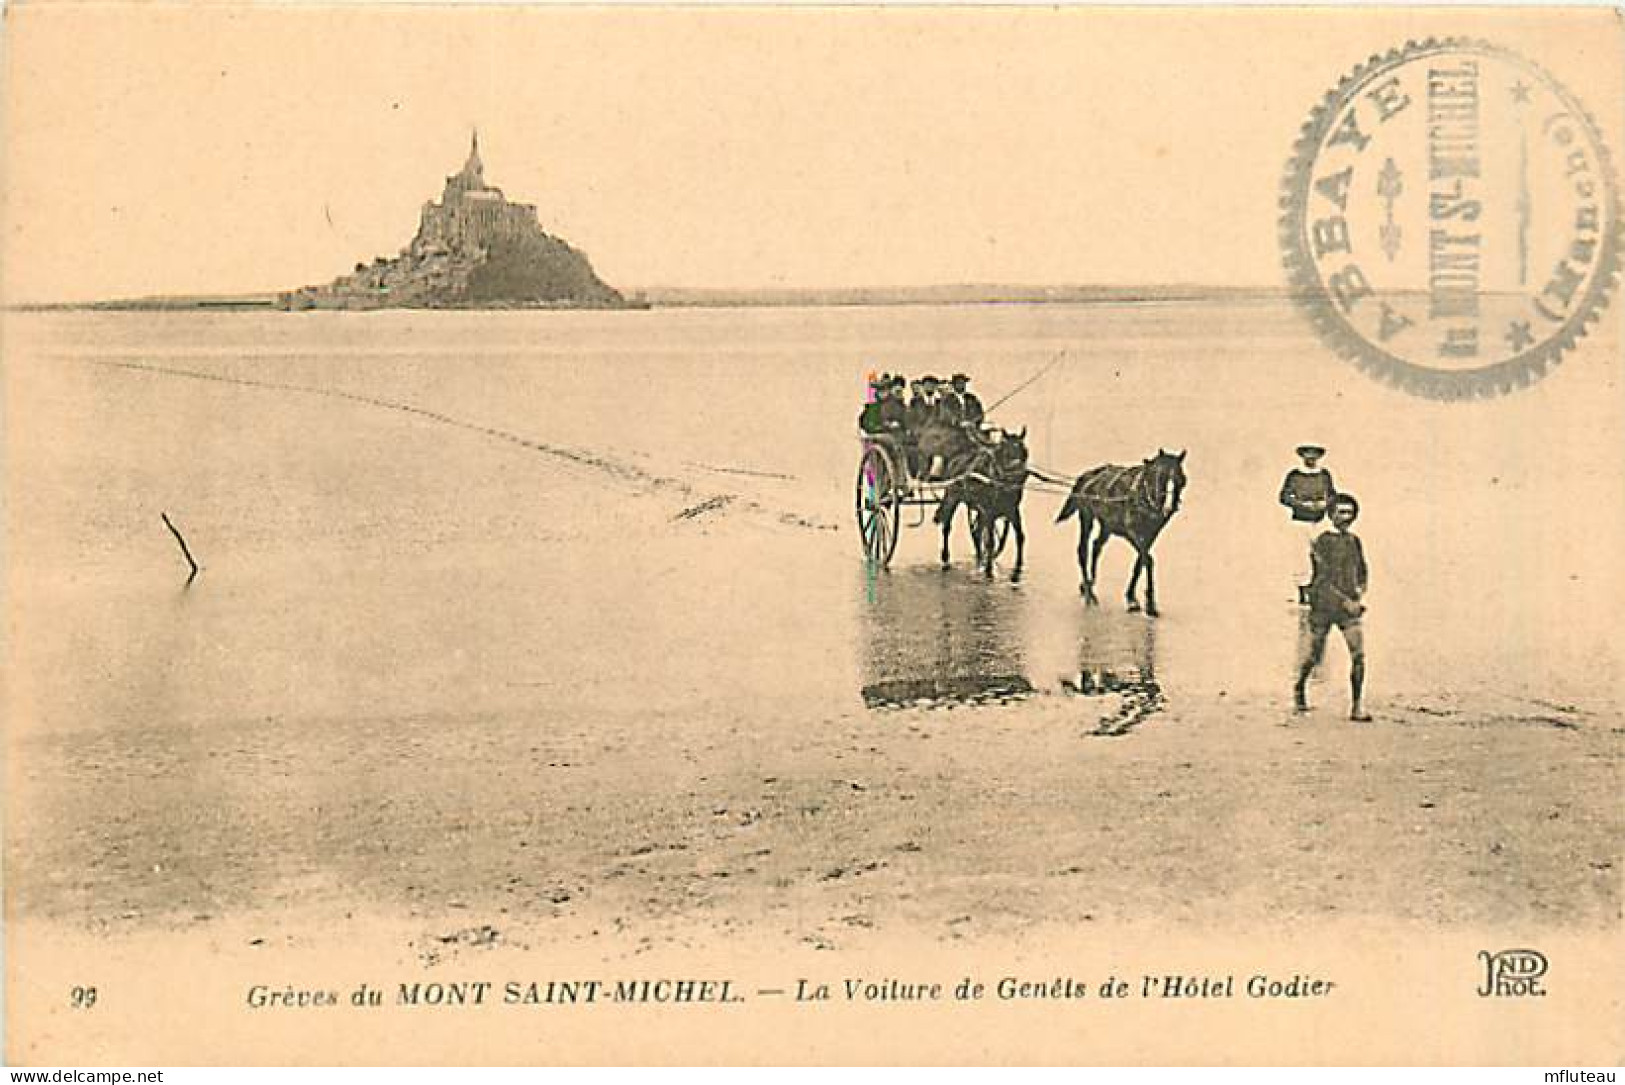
[455,616]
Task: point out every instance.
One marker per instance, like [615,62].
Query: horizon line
[968,293]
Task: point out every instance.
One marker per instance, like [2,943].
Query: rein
[1044,476]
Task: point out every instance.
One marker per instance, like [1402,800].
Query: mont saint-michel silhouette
[474,249]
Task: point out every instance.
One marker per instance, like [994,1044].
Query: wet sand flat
[471,675]
[828,830]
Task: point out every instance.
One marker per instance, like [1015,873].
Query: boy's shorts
[1321,621]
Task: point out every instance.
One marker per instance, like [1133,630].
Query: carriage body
[885,487]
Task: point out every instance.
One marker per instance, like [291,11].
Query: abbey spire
[474,169]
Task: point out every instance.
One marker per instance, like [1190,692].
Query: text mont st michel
[1008,988]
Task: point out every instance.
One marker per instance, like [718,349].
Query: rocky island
[474,249]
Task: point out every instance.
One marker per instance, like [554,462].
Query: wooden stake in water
[185,550]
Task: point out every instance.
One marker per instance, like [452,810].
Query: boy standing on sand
[1335,590]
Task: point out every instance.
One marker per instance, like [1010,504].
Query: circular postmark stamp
[1450,219]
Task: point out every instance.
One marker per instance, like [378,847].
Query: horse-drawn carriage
[1133,502]
[886,486]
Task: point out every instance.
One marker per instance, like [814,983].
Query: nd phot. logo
[1512,972]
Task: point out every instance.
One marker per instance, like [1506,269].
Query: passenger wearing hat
[1307,491]
[869,416]
[924,412]
[922,407]
[960,405]
[883,413]
[893,414]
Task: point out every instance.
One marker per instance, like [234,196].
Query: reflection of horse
[1134,502]
[989,481]
[1118,656]
[933,642]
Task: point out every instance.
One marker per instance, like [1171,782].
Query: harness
[1115,485]
[984,468]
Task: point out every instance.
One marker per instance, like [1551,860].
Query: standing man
[1335,598]
[1307,491]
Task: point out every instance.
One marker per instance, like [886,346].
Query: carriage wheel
[1001,535]
[879,504]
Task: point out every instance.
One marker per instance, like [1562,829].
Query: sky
[183,149]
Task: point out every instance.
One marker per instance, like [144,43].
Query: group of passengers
[929,403]
[931,424]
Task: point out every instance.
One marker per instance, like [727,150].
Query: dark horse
[1134,502]
[989,481]
[940,443]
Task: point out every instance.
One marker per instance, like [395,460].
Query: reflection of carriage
[886,486]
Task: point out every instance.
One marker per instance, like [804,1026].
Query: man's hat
[957,377]
[930,380]
[1316,450]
